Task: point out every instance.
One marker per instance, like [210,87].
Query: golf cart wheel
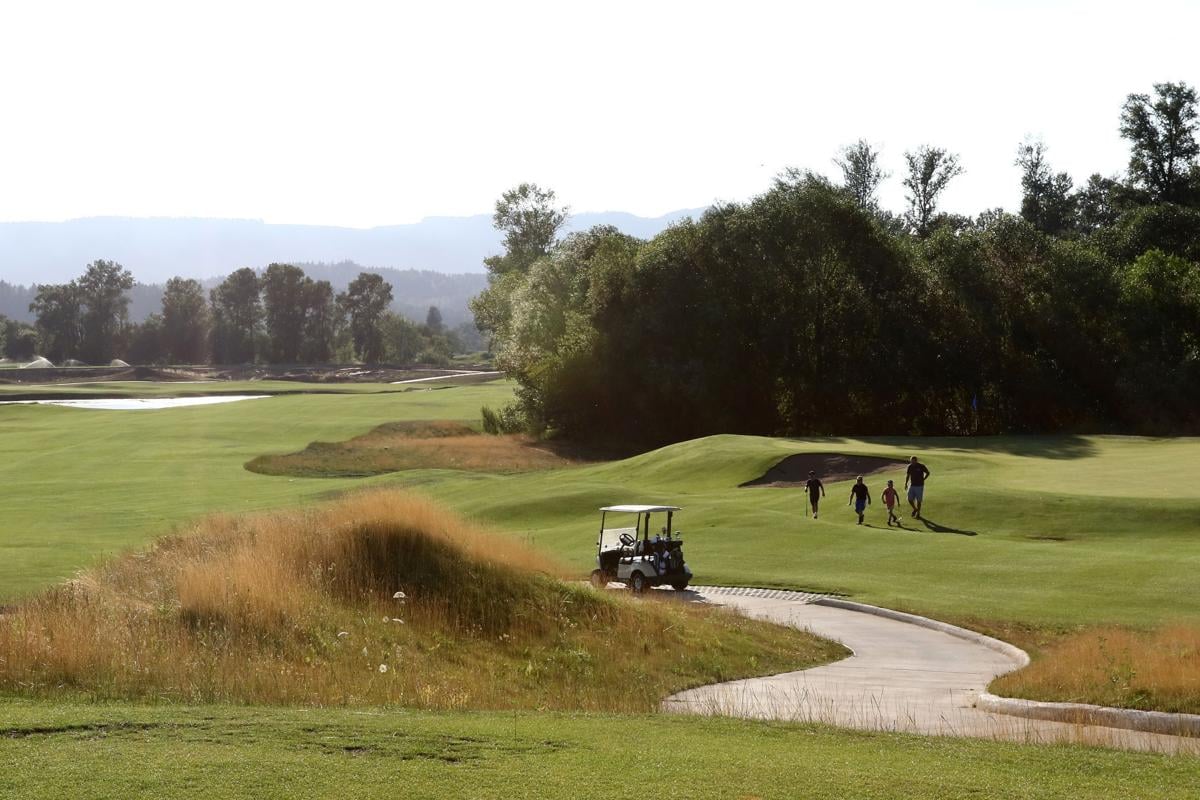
[637,583]
[680,586]
[599,579]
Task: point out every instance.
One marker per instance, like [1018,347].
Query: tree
[58,308]
[102,291]
[236,317]
[284,307]
[861,173]
[148,342]
[530,221]
[1163,139]
[402,341]
[433,320]
[184,321]
[930,169]
[321,322]
[365,301]
[20,340]
[1046,199]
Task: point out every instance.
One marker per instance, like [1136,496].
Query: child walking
[890,499]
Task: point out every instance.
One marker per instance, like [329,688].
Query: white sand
[139,403]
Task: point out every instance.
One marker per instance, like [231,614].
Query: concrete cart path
[902,677]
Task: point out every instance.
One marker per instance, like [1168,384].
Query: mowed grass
[1051,532]
[1046,531]
[79,484]
[222,752]
[379,598]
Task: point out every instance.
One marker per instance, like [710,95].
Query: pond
[139,403]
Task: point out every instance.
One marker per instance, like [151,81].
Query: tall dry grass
[412,445]
[302,607]
[1152,670]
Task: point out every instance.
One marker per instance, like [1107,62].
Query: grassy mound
[398,446]
[376,599]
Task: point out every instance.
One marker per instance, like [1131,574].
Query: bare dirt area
[829,467]
[398,446]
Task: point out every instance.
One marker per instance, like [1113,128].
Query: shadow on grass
[1056,447]
[937,528]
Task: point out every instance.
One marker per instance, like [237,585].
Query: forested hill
[160,248]
[414,291]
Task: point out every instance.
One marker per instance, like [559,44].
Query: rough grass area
[220,753]
[376,599]
[1153,670]
[398,446]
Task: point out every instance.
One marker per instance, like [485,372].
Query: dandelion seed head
[382,668]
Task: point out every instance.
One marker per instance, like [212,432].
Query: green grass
[1068,530]
[221,752]
[1124,508]
[79,484]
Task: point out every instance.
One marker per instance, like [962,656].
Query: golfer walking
[914,481]
[816,490]
[860,496]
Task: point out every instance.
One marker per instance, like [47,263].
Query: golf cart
[634,557]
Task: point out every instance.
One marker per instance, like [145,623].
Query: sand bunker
[139,403]
[830,468]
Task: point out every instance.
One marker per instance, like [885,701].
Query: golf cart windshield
[623,525]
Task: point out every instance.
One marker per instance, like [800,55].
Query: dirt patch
[398,446]
[829,467]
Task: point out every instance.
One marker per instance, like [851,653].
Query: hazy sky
[367,114]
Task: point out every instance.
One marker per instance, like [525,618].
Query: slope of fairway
[1052,530]
[219,752]
[81,483]
[1040,530]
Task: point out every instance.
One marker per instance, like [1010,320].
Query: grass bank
[376,599]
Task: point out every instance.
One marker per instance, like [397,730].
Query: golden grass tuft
[1152,670]
[299,607]
[400,446]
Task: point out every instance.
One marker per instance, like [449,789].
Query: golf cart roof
[640,509]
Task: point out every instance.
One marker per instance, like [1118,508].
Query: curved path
[902,677]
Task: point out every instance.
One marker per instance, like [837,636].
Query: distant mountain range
[156,249]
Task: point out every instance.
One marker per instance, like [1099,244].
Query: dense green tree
[930,170]
[1162,134]
[322,320]
[1047,202]
[148,342]
[103,293]
[184,321]
[284,291]
[365,302]
[861,173]
[236,313]
[59,311]
[530,220]
[402,340]
[20,340]
[433,319]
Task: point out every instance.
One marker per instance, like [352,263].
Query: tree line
[281,316]
[811,310]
